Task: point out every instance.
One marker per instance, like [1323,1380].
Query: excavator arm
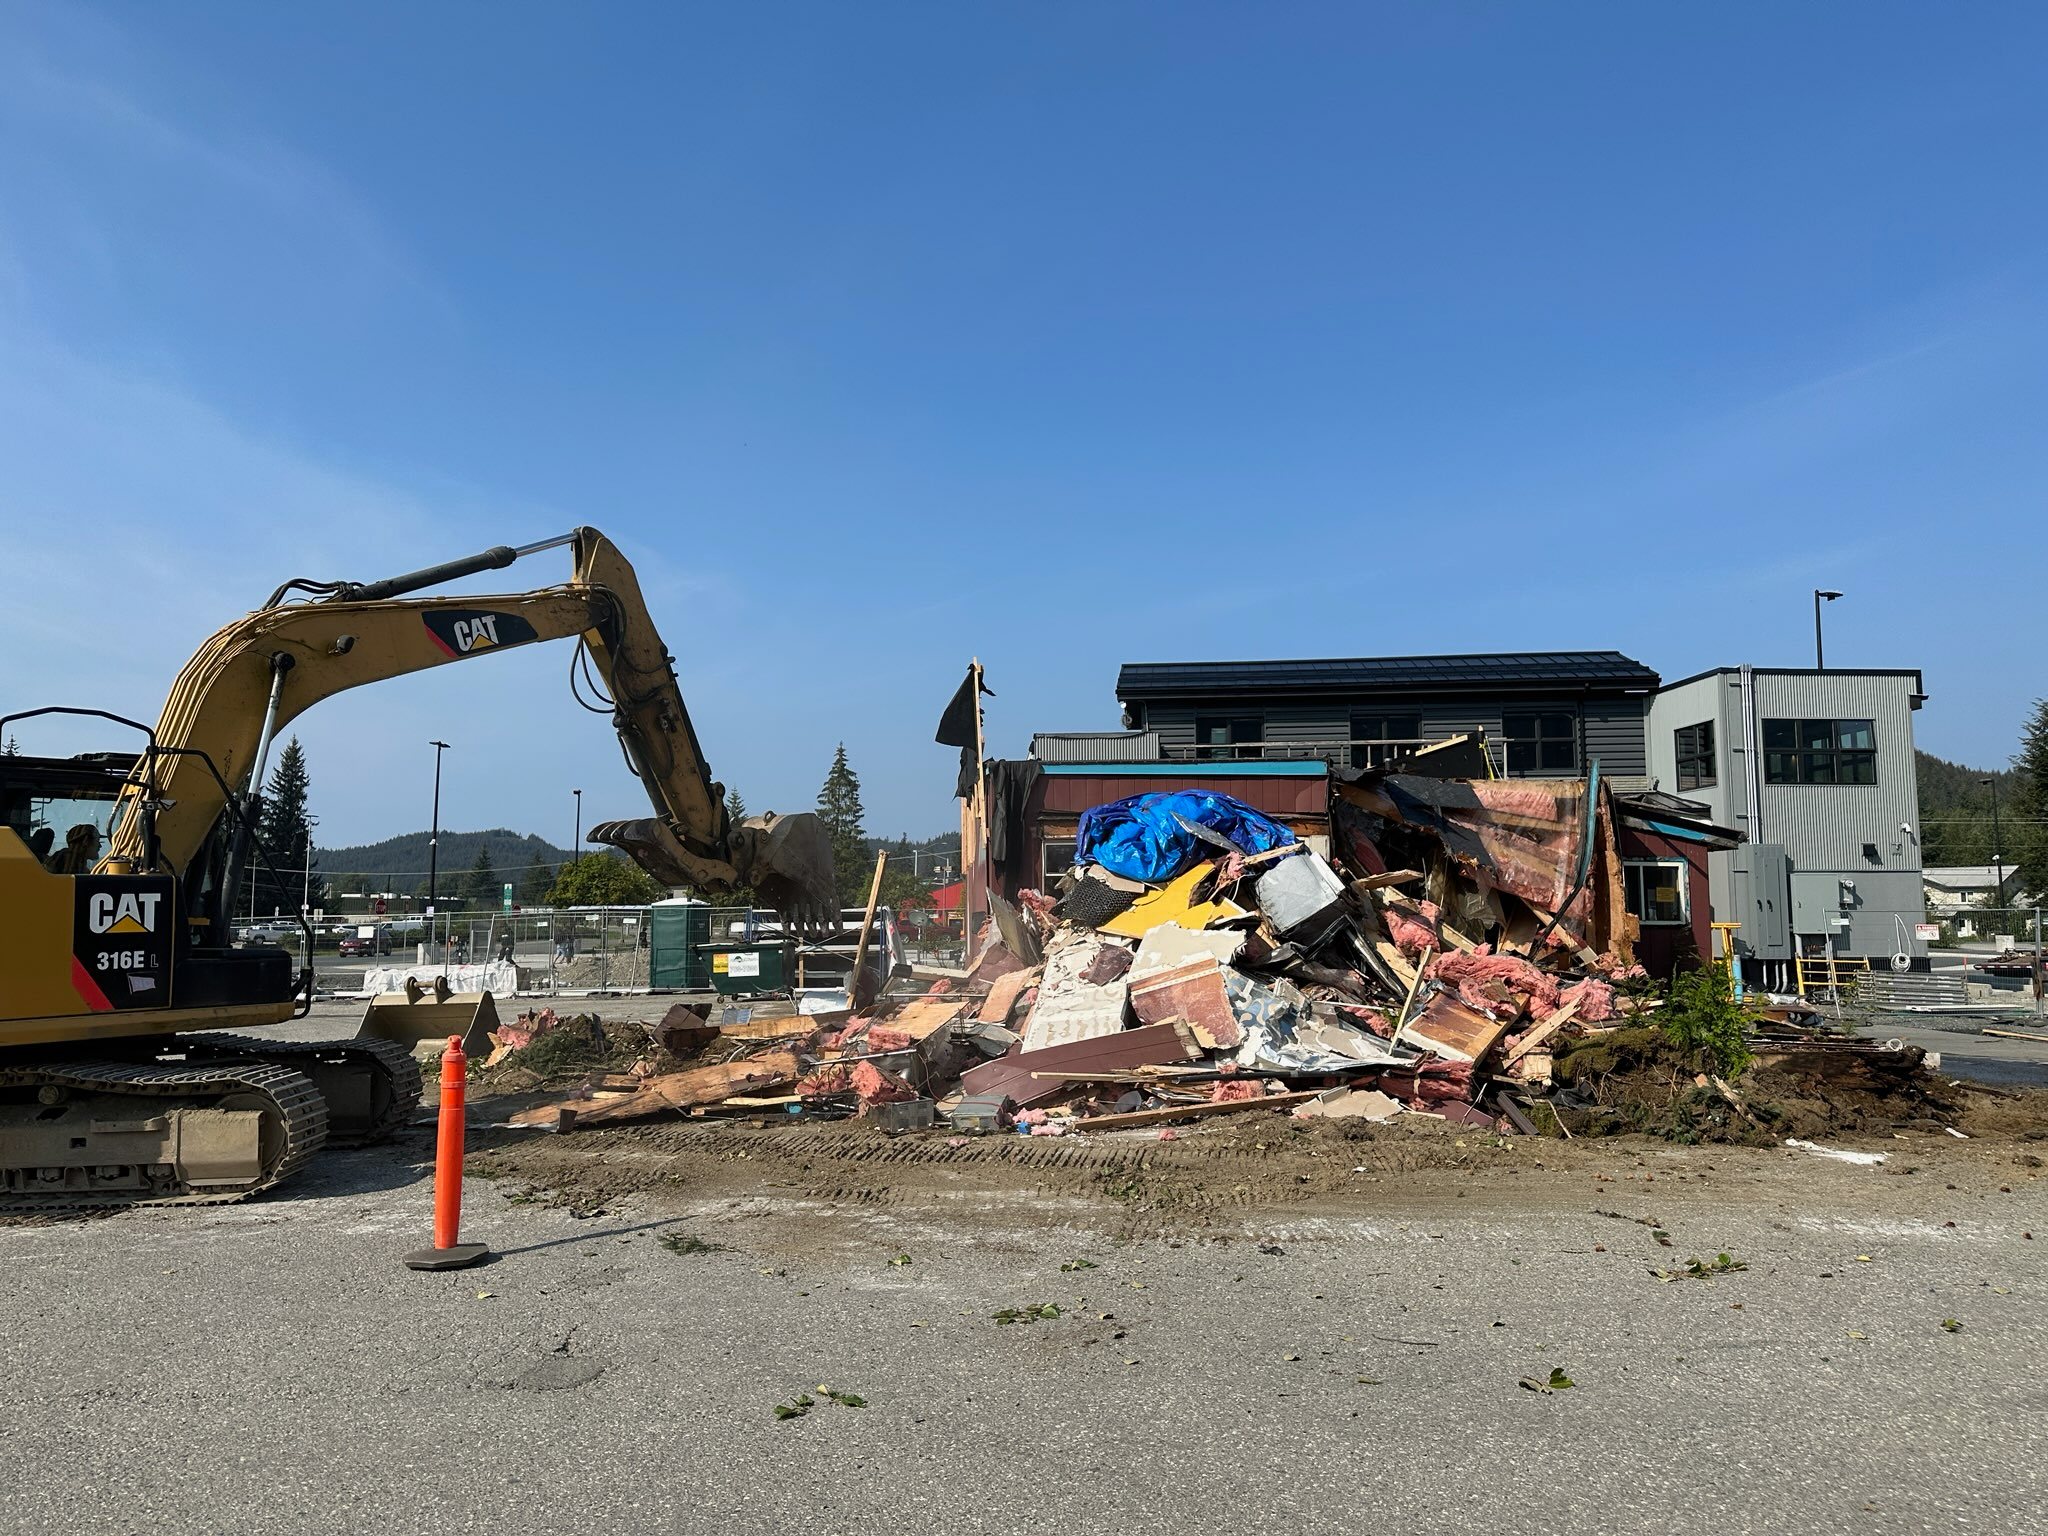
[259,673]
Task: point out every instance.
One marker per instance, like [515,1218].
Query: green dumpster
[741,970]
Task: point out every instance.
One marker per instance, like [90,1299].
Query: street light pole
[1820,663]
[578,842]
[434,836]
[1997,845]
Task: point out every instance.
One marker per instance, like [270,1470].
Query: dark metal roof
[1518,669]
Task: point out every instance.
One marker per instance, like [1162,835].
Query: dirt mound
[1638,1080]
[573,1048]
[2007,1114]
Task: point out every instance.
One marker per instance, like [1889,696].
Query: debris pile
[1463,951]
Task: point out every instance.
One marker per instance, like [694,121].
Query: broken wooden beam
[1140,1117]
[673,1090]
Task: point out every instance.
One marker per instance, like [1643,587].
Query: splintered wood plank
[926,1015]
[1453,1030]
[675,1090]
[1141,1117]
[1544,1031]
[1002,997]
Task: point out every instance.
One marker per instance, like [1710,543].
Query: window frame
[1048,875]
[1238,730]
[1812,751]
[1364,755]
[1693,749]
[1635,898]
[1526,750]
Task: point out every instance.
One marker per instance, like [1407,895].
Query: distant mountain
[400,863]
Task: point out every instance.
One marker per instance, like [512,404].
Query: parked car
[366,943]
[277,930]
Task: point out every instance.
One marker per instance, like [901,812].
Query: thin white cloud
[62,76]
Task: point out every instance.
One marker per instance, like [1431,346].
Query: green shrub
[1702,1018]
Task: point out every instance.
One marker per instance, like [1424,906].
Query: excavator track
[372,1087]
[291,1113]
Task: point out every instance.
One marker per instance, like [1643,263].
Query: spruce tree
[2031,810]
[839,808]
[286,831]
[482,888]
[735,807]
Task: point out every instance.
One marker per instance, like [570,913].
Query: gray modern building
[1544,714]
[1817,770]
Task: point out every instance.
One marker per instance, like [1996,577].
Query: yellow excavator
[119,965]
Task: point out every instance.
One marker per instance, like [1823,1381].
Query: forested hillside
[1955,811]
[400,863]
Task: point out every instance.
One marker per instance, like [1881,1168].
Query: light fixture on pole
[1997,845]
[434,836]
[1820,663]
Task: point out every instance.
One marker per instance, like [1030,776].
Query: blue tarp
[1145,837]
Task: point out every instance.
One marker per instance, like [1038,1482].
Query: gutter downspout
[1752,771]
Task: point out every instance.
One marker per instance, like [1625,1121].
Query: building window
[1378,739]
[1056,860]
[1215,735]
[1695,755]
[1658,891]
[1542,744]
[1819,752]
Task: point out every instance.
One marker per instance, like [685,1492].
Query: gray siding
[1822,827]
[1614,734]
[1611,728]
[1095,746]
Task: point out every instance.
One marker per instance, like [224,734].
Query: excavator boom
[256,675]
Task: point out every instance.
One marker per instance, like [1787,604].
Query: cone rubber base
[461,1256]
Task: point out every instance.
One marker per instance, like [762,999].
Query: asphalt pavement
[273,1366]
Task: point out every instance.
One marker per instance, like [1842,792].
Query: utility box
[1763,900]
[678,939]
[742,970]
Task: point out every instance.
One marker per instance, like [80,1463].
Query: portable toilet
[678,932]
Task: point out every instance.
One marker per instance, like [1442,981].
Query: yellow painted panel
[1174,903]
[35,936]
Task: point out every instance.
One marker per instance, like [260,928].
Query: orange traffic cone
[447,1253]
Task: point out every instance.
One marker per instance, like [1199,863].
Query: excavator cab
[118,950]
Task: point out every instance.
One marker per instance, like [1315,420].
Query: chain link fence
[571,950]
[1999,949]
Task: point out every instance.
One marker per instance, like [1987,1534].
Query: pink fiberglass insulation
[1239,1088]
[1410,936]
[1472,972]
[1432,1080]
[1524,799]
[878,1087]
[1595,999]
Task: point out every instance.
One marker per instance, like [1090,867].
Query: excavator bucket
[785,860]
[788,862]
[420,1014]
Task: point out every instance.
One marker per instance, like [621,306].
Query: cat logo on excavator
[467,631]
[129,912]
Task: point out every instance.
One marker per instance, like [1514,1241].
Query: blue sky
[1063,335]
